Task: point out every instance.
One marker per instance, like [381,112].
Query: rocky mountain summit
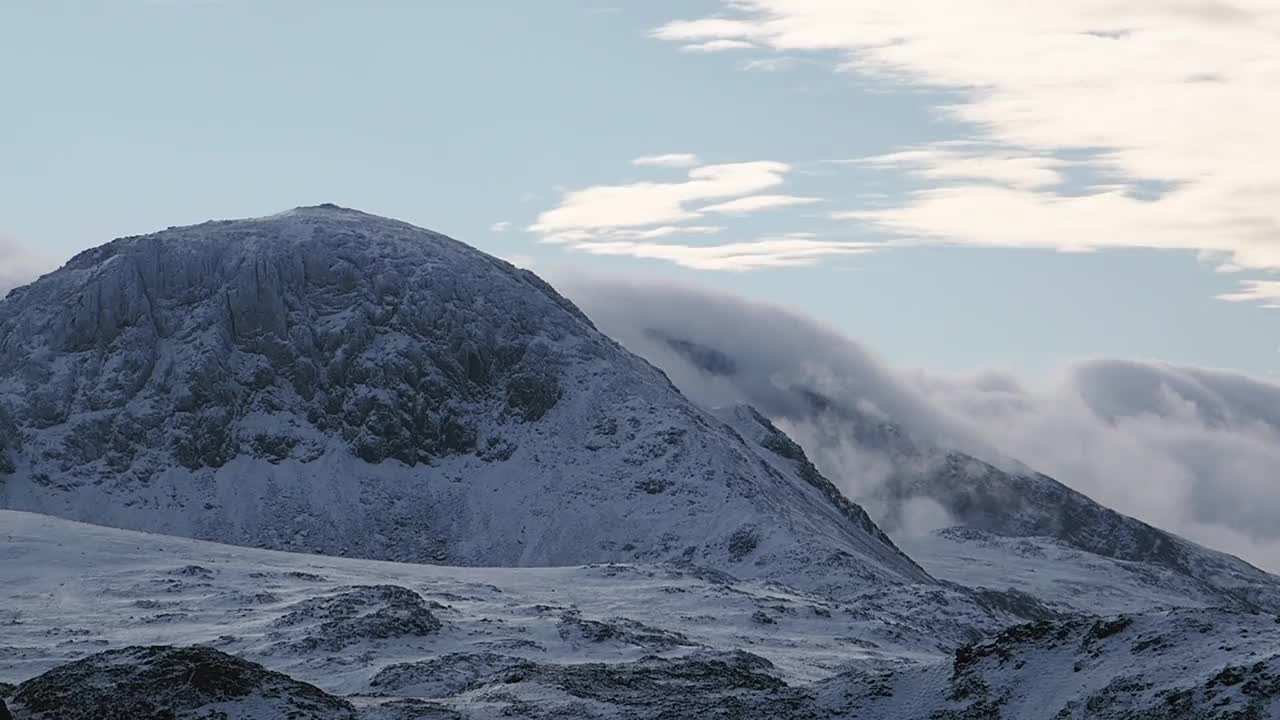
[329,381]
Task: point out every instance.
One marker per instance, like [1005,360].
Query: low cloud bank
[1192,450]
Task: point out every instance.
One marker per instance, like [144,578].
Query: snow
[70,590]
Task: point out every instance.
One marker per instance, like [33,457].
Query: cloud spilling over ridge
[1167,107]
[1191,450]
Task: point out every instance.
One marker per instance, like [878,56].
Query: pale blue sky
[127,116]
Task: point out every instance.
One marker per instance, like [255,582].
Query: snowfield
[382,639]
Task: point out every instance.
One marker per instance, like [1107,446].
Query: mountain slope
[980,496]
[331,381]
[1195,664]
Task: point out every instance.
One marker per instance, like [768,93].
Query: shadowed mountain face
[330,381]
[980,496]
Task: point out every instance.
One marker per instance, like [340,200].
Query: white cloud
[769,64]
[650,203]
[718,46]
[582,236]
[756,203]
[1263,291]
[943,162]
[785,251]
[677,160]
[1175,92]
[1187,449]
[626,220]
[502,226]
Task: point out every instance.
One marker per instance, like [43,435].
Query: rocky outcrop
[171,683]
[359,614]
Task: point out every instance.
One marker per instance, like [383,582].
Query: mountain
[1006,528]
[330,381]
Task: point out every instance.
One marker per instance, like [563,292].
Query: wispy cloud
[501,226]
[677,160]
[658,220]
[718,46]
[653,203]
[1266,292]
[946,162]
[784,251]
[1171,100]
[756,203]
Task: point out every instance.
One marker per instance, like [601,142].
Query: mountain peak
[331,381]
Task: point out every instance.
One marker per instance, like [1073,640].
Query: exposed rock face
[378,612]
[329,381]
[699,685]
[171,683]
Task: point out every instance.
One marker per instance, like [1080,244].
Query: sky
[1011,186]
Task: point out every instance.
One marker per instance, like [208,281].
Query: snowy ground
[68,590]
[399,640]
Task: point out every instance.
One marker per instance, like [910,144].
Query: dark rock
[172,683]
[359,614]
[574,628]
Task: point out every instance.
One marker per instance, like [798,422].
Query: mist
[1191,450]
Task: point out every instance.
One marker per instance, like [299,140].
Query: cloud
[650,203]
[769,64]
[718,46]
[1171,101]
[756,203]
[18,265]
[941,162]
[1263,291]
[784,251]
[1188,449]
[628,220]
[502,226]
[668,160]
[654,233]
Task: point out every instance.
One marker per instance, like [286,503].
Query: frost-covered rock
[171,683]
[355,615]
[330,381]
[1186,663]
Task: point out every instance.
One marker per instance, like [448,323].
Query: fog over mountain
[1188,449]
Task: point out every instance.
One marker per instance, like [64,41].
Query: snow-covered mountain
[330,381]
